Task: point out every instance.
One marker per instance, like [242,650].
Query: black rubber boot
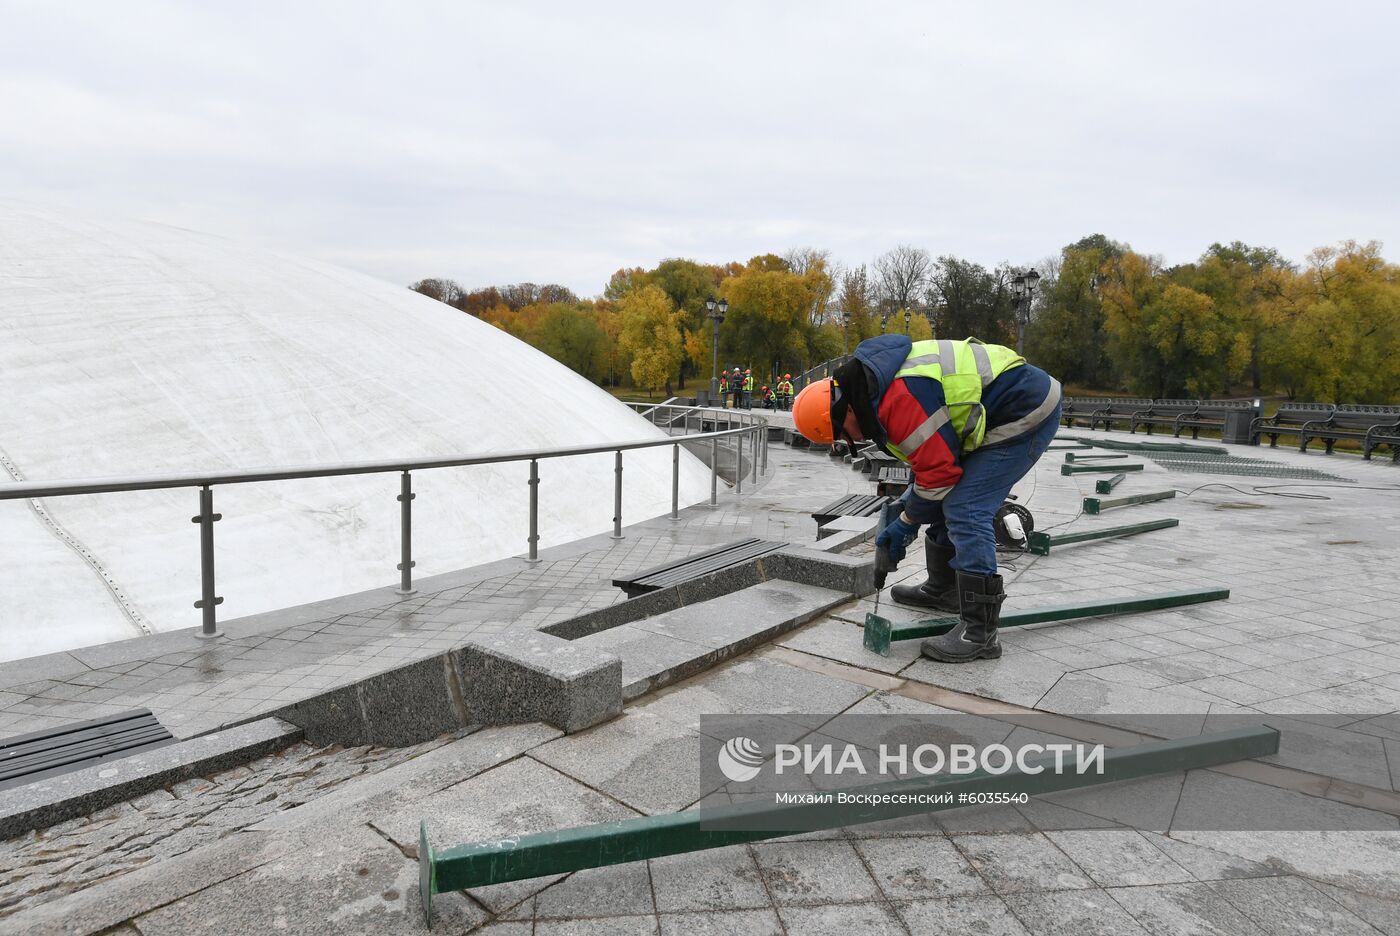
[940,592]
[975,636]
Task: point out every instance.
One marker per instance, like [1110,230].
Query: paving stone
[648,762]
[601,926]
[877,919]
[913,868]
[1383,914]
[814,873]
[617,890]
[1214,801]
[722,923]
[1282,906]
[1019,678]
[837,639]
[1119,858]
[353,883]
[1018,863]
[1073,913]
[1361,861]
[518,798]
[986,916]
[710,880]
[1183,910]
[754,685]
[649,660]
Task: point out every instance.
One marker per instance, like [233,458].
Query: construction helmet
[787,376]
[811,412]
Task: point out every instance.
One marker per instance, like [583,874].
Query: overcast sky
[495,143]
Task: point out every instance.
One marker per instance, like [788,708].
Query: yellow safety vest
[965,368]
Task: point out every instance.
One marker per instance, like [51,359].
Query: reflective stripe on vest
[965,369]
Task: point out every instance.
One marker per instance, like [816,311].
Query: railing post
[756,444]
[207,602]
[714,471]
[617,497]
[406,563]
[534,510]
[739,464]
[765,450]
[676,482]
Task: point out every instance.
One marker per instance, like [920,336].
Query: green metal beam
[1040,543]
[1093,505]
[880,632]
[1106,485]
[1161,448]
[1096,469]
[500,860]
[1072,445]
[1071,457]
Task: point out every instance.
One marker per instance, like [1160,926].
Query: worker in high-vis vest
[748,388]
[785,392]
[970,419]
[723,387]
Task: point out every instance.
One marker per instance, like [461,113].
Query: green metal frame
[1094,505]
[1161,448]
[1071,457]
[880,632]
[1040,543]
[479,864]
[1073,445]
[1106,485]
[1096,469]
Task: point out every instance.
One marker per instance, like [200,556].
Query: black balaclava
[852,390]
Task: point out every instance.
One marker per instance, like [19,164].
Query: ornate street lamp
[845,333]
[716,311]
[1023,293]
[907,317]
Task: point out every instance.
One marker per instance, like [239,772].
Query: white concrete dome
[130,348]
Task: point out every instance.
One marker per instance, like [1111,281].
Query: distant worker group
[737,386]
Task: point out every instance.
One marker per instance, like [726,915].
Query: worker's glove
[896,537]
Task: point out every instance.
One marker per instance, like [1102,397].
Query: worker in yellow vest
[723,388]
[785,392]
[970,419]
[748,389]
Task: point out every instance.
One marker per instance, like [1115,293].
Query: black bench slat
[696,566]
[39,754]
[892,481]
[856,505]
[42,760]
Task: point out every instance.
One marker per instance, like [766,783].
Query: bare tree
[902,276]
[802,259]
[443,290]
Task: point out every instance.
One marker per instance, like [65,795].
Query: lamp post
[884,319]
[716,310]
[908,316]
[1023,292]
[845,333]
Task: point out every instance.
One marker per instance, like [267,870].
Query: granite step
[675,645]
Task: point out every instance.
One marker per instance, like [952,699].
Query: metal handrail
[749,425]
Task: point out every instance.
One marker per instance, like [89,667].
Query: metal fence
[709,425]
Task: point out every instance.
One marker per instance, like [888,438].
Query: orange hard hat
[747,371]
[787,376]
[811,412]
